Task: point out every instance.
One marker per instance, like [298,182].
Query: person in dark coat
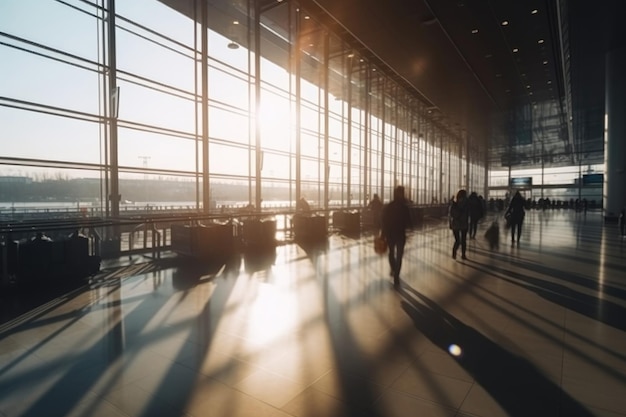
[515,214]
[376,207]
[475,212]
[302,205]
[459,222]
[396,220]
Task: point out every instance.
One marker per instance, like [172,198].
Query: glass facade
[123,104]
[535,143]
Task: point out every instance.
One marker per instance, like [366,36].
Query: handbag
[507,219]
[380,245]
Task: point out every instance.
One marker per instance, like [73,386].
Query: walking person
[376,208]
[396,220]
[515,214]
[459,222]
[475,214]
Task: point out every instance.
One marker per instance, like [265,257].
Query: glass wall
[539,154]
[137,105]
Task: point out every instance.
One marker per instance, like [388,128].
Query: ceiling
[476,62]
[476,59]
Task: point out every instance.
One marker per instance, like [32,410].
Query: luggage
[493,235]
[380,245]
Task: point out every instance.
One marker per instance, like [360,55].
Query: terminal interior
[185,219]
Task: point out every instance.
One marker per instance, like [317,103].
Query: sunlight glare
[271,314]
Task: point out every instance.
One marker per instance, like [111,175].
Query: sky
[31,78]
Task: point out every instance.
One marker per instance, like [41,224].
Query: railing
[151,233]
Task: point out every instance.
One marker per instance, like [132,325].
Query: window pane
[52,24]
[33,78]
[147,106]
[27,134]
[155,151]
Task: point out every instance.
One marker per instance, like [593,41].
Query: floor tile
[535,329]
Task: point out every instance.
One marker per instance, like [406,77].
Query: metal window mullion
[326,116]
[114,195]
[206,189]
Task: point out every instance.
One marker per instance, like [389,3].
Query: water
[43,206]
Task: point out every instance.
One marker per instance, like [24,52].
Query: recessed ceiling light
[534,11]
[530,94]
[523,74]
[549,81]
[505,23]
[515,50]
[540,41]
[545,62]
[474,31]
[350,55]
[527,86]
[307,17]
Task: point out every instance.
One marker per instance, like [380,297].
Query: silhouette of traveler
[516,213]
[459,222]
[376,207]
[41,237]
[302,205]
[475,212]
[395,221]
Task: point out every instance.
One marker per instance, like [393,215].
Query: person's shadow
[513,382]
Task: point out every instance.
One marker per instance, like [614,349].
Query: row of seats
[42,261]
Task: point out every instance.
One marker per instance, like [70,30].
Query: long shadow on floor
[589,282]
[514,383]
[118,347]
[591,306]
[358,394]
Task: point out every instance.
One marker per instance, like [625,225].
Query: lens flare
[455,350]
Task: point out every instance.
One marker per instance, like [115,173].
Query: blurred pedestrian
[459,222]
[396,220]
[302,205]
[475,212]
[376,208]
[515,214]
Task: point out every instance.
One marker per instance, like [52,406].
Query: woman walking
[515,214]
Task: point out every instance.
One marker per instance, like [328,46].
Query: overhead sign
[522,182]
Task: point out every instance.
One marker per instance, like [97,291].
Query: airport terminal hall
[312,208]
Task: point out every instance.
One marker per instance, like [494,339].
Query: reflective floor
[535,329]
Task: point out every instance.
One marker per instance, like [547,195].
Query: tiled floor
[535,329]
